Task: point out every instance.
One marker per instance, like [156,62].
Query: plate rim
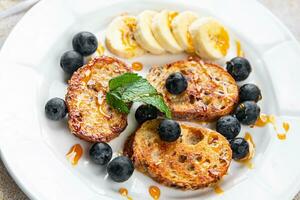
[34,195]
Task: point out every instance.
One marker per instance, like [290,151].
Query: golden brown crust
[211,92]
[90,117]
[198,159]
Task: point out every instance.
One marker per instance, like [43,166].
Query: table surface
[288,11]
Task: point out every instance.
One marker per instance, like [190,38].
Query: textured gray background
[288,11]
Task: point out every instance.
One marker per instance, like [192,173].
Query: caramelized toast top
[90,117]
[211,91]
[199,158]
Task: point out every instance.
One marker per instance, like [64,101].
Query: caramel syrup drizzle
[154,192]
[124,192]
[264,119]
[75,154]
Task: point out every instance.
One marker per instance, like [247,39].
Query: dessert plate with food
[149,99]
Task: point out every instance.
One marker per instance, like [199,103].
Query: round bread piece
[198,159]
[211,91]
[90,117]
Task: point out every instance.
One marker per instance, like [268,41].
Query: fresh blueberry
[247,112]
[239,68]
[250,92]
[85,43]
[239,147]
[71,61]
[169,130]
[228,126]
[176,83]
[100,153]
[145,112]
[56,109]
[120,169]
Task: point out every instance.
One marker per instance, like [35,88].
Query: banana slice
[120,37]
[161,29]
[210,38]
[144,35]
[180,26]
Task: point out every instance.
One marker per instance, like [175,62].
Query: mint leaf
[156,101]
[123,80]
[140,88]
[130,87]
[114,100]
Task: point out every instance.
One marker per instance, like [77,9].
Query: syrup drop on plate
[264,119]
[239,50]
[100,50]
[281,136]
[286,127]
[218,190]
[154,192]
[75,154]
[247,160]
[124,192]
[137,66]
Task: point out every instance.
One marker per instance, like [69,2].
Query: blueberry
[250,92]
[85,43]
[71,61]
[169,130]
[100,153]
[145,112]
[176,83]
[239,147]
[247,112]
[56,109]
[239,68]
[228,126]
[120,169]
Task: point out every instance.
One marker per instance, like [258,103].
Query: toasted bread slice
[211,91]
[90,117]
[198,159]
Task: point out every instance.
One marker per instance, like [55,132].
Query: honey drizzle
[264,119]
[154,192]
[75,154]
[87,76]
[101,110]
[137,66]
[221,40]
[100,105]
[124,193]
[218,190]
[127,35]
[247,160]
[100,50]
[191,48]
[286,128]
[171,16]
[239,50]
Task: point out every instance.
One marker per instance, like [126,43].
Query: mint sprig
[130,87]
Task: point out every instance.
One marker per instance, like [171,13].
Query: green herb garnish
[130,87]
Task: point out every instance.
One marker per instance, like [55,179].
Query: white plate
[33,148]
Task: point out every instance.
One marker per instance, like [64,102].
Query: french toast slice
[211,91]
[198,159]
[90,117]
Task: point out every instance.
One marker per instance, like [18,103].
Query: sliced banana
[180,26]
[144,35]
[120,37]
[161,29]
[210,38]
